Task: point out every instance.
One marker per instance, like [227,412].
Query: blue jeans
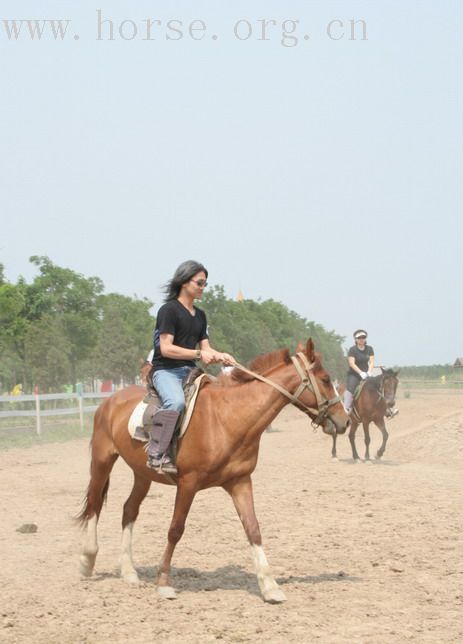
[169,385]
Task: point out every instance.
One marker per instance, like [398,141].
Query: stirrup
[161,463]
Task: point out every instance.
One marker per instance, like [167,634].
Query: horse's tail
[103,457]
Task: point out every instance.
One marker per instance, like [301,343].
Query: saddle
[141,419]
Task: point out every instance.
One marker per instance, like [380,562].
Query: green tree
[13,327]
[73,300]
[124,337]
[248,328]
[47,353]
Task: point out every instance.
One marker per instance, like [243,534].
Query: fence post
[81,412]
[37,412]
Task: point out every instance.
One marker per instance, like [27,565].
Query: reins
[308,381]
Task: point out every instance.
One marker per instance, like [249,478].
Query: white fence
[38,412]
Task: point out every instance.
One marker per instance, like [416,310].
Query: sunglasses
[200,283]
[361,337]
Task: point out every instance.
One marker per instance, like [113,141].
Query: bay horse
[220,448]
[376,397]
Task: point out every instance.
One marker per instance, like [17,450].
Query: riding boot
[348,400]
[164,423]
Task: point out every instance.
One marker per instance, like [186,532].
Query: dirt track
[364,553]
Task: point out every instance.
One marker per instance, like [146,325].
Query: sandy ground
[365,553]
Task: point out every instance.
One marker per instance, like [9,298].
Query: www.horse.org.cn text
[284,32]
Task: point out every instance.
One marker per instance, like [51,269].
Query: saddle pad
[136,422]
[358,389]
[135,427]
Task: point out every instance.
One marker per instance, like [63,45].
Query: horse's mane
[267,361]
[375,381]
[262,364]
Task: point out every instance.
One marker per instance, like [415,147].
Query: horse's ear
[300,347]
[310,349]
[382,369]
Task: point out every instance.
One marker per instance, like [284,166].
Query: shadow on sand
[224,578]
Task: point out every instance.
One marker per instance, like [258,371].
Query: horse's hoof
[274,596]
[86,565]
[167,592]
[131,578]
[357,460]
[368,462]
[334,459]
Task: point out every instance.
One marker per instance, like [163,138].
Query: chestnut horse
[377,395]
[220,448]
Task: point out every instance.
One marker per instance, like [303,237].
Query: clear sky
[324,172]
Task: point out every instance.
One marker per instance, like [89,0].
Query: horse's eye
[326,380]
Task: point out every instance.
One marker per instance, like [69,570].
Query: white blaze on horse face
[128,572]
[267,584]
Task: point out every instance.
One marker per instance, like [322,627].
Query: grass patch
[59,431]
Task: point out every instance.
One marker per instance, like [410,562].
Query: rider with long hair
[180,339]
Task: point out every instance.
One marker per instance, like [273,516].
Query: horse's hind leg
[241,492]
[382,427]
[131,509]
[103,459]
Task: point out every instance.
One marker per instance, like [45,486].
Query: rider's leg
[168,384]
[348,400]
[391,412]
[352,381]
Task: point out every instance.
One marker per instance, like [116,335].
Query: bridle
[381,394]
[308,381]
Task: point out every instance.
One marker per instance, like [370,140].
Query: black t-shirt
[188,330]
[361,357]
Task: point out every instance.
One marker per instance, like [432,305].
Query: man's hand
[363,375]
[227,359]
[210,356]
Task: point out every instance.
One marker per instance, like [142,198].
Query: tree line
[62,328]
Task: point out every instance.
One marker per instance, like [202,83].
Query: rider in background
[361,359]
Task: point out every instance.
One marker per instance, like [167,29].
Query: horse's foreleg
[131,508]
[382,427]
[333,449]
[241,492]
[183,501]
[366,431]
[352,430]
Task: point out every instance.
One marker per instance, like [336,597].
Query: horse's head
[389,385]
[320,392]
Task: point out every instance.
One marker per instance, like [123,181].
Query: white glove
[370,374]
[363,375]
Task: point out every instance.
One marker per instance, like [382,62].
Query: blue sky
[325,175]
